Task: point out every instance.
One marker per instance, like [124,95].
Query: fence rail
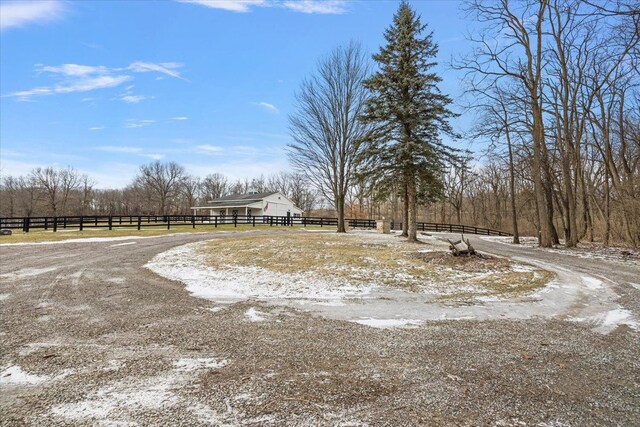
[141,221]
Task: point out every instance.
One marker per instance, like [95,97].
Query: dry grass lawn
[366,258]
[47,236]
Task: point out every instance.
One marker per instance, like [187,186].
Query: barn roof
[250,197]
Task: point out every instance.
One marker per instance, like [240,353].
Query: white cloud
[267,106]
[132,99]
[302,6]
[134,123]
[180,118]
[230,5]
[153,156]
[209,149]
[20,13]
[168,68]
[73,69]
[120,149]
[333,7]
[84,78]
[97,128]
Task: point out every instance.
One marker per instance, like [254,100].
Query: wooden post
[25,224]
[254,221]
[55,224]
[193,221]
[64,222]
[46,223]
[139,222]
[110,223]
[168,223]
[81,222]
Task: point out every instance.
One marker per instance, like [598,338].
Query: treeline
[158,188]
[555,86]
[558,99]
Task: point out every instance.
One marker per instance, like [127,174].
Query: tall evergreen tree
[408,113]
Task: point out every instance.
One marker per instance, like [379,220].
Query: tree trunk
[340,210]
[512,189]
[412,229]
[405,210]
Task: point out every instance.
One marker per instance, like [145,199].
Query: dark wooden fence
[141,221]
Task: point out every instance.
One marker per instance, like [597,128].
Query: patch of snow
[14,375]
[4,296]
[254,316]
[387,323]
[522,268]
[487,298]
[122,244]
[35,346]
[335,303]
[92,240]
[117,403]
[27,272]
[113,365]
[591,282]
[635,286]
[188,365]
[116,280]
[186,264]
[619,316]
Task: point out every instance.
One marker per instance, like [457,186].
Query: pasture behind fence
[110,222]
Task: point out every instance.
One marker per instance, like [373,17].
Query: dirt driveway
[90,337]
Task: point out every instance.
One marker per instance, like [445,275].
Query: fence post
[25,224]
[235,220]
[168,222]
[320,222]
[215,221]
[254,221]
[46,223]
[55,224]
[81,222]
[110,223]
[193,221]
[139,222]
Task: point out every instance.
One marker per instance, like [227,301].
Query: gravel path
[90,337]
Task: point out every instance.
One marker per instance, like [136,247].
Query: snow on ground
[117,403]
[185,264]
[570,296]
[122,244]
[14,375]
[27,272]
[255,316]
[387,323]
[96,240]
[584,250]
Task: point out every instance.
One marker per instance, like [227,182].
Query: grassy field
[362,259]
[46,236]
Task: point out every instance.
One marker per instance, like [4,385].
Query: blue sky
[105,86]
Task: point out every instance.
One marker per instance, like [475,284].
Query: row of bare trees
[158,188]
[555,83]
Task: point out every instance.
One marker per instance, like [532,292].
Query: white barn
[253,204]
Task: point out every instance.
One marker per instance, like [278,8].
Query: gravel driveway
[90,337]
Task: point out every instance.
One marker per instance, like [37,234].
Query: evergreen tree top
[406,106]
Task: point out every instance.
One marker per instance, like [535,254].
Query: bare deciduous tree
[325,127]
